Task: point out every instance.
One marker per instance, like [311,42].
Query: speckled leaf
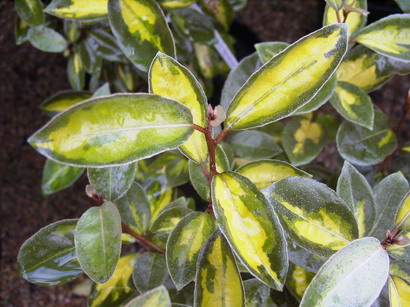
[47,39]
[118,289]
[98,241]
[303,139]
[221,10]
[355,20]
[76,72]
[141,30]
[336,4]
[48,257]
[399,292]
[268,50]
[251,227]
[298,280]
[175,4]
[402,217]
[184,244]
[364,147]
[57,177]
[150,271]
[354,189]
[135,209]
[265,172]
[30,11]
[312,214]
[304,259]
[388,194]
[354,276]
[170,79]
[388,36]
[198,180]
[78,9]
[63,100]
[218,282]
[112,182]
[256,293]
[400,269]
[281,86]
[114,130]
[353,104]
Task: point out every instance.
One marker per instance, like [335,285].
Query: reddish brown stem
[389,240]
[339,20]
[199,128]
[351,41]
[221,135]
[147,244]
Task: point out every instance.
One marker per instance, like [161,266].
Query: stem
[224,133]
[351,41]
[389,237]
[339,20]
[210,142]
[142,240]
[199,128]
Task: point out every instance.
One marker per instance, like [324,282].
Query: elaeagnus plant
[265,233]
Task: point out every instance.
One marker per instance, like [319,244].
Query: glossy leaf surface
[218,282]
[354,276]
[47,39]
[114,130]
[157,297]
[98,241]
[251,227]
[312,214]
[57,177]
[30,11]
[78,9]
[63,100]
[48,257]
[281,86]
[402,218]
[150,271]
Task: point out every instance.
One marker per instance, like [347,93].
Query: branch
[142,240]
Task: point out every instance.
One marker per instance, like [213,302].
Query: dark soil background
[28,76]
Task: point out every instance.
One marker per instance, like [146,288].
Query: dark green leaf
[157,297]
[404,5]
[198,180]
[268,50]
[257,293]
[150,271]
[30,11]
[21,31]
[177,172]
[221,10]
[304,259]
[106,45]
[57,177]
[46,39]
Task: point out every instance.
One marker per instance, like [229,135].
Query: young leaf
[298,280]
[353,104]
[48,257]
[365,147]
[98,241]
[76,72]
[78,9]
[21,31]
[63,100]
[336,4]
[46,39]
[135,209]
[217,282]
[402,217]
[265,172]
[251,227]
[254,145]
[141,30]
[112,182]
[57,177]
[184,244]
[221,10]
[281,86]
[256,293]
[118,289]
[150,271]
[268,50]
[388,194]
[354,276]
[388,36]
[312,214]
[114,130]
[30,11]
[400,252]
[399,292]
[354,189]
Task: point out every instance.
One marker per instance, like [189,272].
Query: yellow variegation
[158,203]
[221,10]
[399,292]
[403,214]
[265,172]
[157,297]
[175,4]
[298,281]
[184,244]
[282,85]
[113,130]
[251,227]
[224,288]
[389,36]
[78,9]
[119,286]
[355,20]
[170,79]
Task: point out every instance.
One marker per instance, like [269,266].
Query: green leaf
[177,173]
[46,39]
[175,4]
[304,259]
[118,289]
[48,257]
[402,216]
[221,10]
[114,130]
[400,269]
[354,189]
[303,139]
[265,172]
[268,50]
[388,194]
[218,282]
[281,86]
[98,241]
[157,297]
[170,79]
[21,31]
[399,292]
[312,214]
[57,177]
[30,11]
[251,227]
[76,72]
[198,180]
[72,30]
[62,101]
[150,271]
[400,252]
[354,276]
[78,9]
[184,244]
[256,293]
[388,36]
[112,182]
[135,209]
[365,147]
[336,4]
[298,280]
[103,90]
[107,45]
[141,29]
[404,5]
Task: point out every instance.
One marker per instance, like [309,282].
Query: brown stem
[389,240]
[199,128]
[345,15]
[339,20]
[210,142]
[142,240]
[221,135]
[351,41]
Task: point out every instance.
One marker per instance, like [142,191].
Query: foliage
[258,231]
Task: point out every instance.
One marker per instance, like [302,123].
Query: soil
[28,76]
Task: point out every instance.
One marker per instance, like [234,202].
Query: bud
[218,116]
[401,240]
[90,191]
